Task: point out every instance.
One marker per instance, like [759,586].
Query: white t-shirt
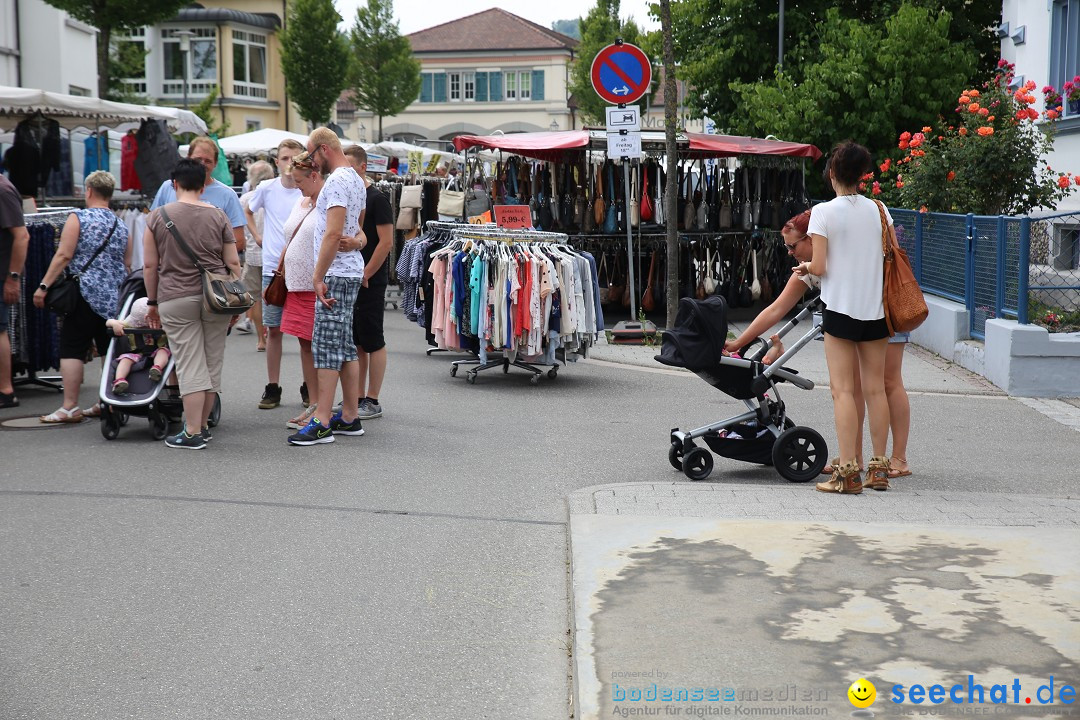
[343,188]
[300,256]
[853,278]
[277,202]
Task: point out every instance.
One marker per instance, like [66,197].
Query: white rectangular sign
[624,146]
[377,163]
[624,118]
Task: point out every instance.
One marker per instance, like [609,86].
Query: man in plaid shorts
[339,271]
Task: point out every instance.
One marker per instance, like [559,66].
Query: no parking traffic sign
[621,73]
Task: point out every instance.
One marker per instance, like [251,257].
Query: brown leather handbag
[905,306]
[276,292]
[599,205]
[648,300]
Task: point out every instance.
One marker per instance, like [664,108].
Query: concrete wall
[58,53]
[1023,360]
[9,45]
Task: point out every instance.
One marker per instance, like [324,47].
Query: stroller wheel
[697,464]
[159,425]
[110,422]
[215,413]
[675,456]
[124,417]
[799,454]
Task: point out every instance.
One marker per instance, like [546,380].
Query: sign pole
[629,231]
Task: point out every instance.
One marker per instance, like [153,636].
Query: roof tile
[494,29]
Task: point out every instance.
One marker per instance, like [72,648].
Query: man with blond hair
[339,271]
[205,151]
[276,198]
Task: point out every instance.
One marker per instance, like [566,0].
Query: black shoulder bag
[222,294]
[62,297]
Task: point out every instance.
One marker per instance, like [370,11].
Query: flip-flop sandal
[898,474]
[74,415]
[93,411]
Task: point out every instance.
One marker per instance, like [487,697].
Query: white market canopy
[262,142]
[73,111]
[401,150]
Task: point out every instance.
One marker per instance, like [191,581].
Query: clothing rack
[34,333]
[526,293]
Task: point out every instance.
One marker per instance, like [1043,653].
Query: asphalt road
[419,571]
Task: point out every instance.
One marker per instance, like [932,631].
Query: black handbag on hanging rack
[765,217]
[610,221]
[724,213]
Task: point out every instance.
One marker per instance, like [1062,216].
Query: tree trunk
[671,193]
[103,42]
[378,138]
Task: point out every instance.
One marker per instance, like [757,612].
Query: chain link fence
[1053,297]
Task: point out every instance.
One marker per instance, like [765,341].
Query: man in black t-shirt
[14,241]
[370,301]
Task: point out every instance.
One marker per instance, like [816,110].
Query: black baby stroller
[764,434]
[157,402]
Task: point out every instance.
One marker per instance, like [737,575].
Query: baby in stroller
[137,318]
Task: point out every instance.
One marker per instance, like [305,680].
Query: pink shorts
[298,315]
[136,357]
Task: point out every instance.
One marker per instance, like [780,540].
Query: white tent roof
[402,150]
[258,142]
[72,111]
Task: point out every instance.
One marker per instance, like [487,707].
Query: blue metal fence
[971,259]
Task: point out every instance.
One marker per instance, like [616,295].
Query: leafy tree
[720,42]
[567,27]
[127,60]
[869,82]
[986,158]
[599,29]
[109,15]
[314,58]
[385,76]
[205,110]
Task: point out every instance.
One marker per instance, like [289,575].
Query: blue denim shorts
[271,314]
[332,339]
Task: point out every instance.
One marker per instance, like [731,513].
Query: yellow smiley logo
[862,693]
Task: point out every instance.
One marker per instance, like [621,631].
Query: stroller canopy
[697,340]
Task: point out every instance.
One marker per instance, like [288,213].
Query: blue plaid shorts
[332,340]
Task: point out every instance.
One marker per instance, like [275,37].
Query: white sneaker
[244,327]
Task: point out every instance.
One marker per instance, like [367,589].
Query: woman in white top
[797,241]
[298,315]
[846,237]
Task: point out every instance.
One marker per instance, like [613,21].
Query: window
[130,50]
[252,125]
[469,82]
[78,91]
[201,62]
[455,86]
[249,64]
[518,84]
[1065,47]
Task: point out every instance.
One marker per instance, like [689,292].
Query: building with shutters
[492,71]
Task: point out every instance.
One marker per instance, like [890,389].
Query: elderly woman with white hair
[94,244]
[253,232]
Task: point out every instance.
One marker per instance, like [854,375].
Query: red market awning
[552,146]
[703,145]
[540,145]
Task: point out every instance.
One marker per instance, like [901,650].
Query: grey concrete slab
[779,618]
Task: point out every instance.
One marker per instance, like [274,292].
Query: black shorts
[368,318]
[848,328]
[81,327]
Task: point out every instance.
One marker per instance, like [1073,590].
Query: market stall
[734,195]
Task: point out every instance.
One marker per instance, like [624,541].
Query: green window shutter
[440,87]
[481,87]
[425,87]
[495,83]
[538,85]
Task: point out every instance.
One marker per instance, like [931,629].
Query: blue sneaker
[183,441]
[314,433]
[339,427]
